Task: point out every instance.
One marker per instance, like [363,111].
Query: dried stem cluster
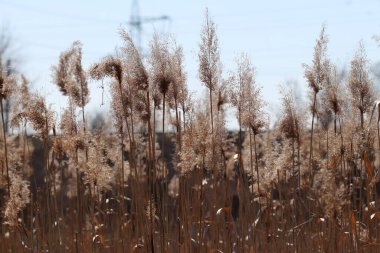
[162,175]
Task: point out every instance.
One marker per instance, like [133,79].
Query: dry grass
[125,187]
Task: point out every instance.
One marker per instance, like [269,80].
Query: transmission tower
[136,22]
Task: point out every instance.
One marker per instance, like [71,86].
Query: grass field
[162,173]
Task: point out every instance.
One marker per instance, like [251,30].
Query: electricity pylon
[136,22]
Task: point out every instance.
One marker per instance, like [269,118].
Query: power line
[55,13]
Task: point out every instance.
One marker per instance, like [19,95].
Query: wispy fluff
[137,75]
[113,67]
[317,73]
[98,172]
[254,117]
[7,82]
[37,114]
[162,74]
[209,56]
[19,198]
[70,76]
[177,93]
[196,143]
[360,84]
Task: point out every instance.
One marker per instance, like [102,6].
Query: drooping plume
[70,76]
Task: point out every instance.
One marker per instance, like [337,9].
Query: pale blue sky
[277,35]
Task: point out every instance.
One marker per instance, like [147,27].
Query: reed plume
[209,60]
[240,81]
[19,198]
[360,85]
[316,76]
[254,118]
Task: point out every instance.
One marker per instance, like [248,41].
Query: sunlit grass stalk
[256,163]
[163,155]
[5,145]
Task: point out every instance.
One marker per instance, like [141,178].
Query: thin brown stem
[251,155]
[5,147]
[311,136]
[256,164]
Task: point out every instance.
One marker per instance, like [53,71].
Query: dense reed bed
[163,174]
